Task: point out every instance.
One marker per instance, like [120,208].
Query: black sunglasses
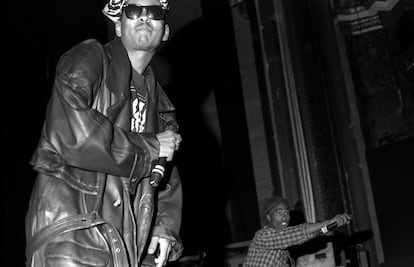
[153,12]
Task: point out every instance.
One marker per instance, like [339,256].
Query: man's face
[279,217]
[142,33]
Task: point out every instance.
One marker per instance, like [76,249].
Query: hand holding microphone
[335,222]
[169,143]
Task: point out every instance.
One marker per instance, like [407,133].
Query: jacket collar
[119,71]
[119,76]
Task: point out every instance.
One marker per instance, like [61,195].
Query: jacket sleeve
[168,221]
[84,137]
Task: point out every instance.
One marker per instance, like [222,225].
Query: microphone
[157,172]
[329,227]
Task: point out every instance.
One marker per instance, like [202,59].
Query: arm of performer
[169,204]
[322,227]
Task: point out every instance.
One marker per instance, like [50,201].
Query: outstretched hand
[341,219]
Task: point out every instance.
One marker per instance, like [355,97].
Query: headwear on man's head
[272,202]
[113,9]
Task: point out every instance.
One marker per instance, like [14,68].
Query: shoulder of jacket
[88,54]
[90,50]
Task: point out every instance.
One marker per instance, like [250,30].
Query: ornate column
[373,94]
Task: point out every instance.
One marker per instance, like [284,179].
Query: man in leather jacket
[107,124]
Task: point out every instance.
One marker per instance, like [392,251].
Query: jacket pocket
[67,253]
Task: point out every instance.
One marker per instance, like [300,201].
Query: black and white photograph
[185,133]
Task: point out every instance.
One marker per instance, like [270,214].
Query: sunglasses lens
[155,12]
[134,11]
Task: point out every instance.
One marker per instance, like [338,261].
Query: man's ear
[166,32]
[118,27]
[268,217]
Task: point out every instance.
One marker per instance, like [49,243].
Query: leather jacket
[92,203]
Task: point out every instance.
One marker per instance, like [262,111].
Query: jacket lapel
[118,79]
[118,83]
